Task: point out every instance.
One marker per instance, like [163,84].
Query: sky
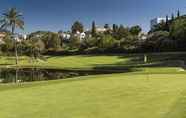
[55,15]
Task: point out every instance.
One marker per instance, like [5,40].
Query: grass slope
[63,62]
[105,96]
[112,62]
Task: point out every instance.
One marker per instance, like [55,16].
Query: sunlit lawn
[147,91]
[104,96]
[96,61]
[65,61]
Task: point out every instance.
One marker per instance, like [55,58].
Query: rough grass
[105,96]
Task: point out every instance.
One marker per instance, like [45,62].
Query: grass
[100,61]
[104,96]
[153,90]
[65,62]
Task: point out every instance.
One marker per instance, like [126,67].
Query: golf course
[154,89]
[92,59]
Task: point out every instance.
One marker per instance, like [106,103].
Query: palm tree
[12,19]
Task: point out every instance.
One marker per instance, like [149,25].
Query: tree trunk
[16,55]
[15,44]
[16,75]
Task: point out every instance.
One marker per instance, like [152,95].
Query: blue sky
[57,15]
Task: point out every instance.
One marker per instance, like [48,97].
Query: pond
[12,75]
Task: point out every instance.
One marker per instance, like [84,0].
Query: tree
[12,19]
[178,13]
[93,32]
[51,40]
[60,35]
[167,23]
[77,26]
[90,42]
[75,42]
[106,26]
[54,41]
[108,29]
[135,30]
[167,19]
[155,40]
[38,48]
[129,42]
[172,17]
[159,27]
[34,47]
[106,42]
[178,29]
[178,33]
[7,45]
[122,32]
[114,28]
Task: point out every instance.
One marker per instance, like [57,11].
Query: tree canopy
[77,26]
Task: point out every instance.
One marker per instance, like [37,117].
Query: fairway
[104,96]
[92,59]
[117,61]
[66,62]
[155,89]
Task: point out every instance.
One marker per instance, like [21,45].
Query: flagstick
[145,61]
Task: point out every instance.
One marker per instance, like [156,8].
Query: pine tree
[93,29]
[114,28]
[106,26]
[178,14]
[167,23]
[172,17]
[167,19]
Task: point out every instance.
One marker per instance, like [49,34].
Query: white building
[20,37]
[156,21]
[65,36]
[2,35]
[80,35]
[100,29]
[24,36]
[142,36]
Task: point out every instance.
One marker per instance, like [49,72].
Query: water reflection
[8,75]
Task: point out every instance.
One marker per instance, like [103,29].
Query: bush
[178,33]
[155,40]
[178,29]
[106,42]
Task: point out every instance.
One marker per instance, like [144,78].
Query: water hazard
[10,75]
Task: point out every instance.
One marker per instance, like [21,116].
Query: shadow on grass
[156,57]
[136,61]
[131,62]
[178,110]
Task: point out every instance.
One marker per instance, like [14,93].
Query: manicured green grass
[80,61]
[153,90]
[104,96]
[83,61]
[100,61]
